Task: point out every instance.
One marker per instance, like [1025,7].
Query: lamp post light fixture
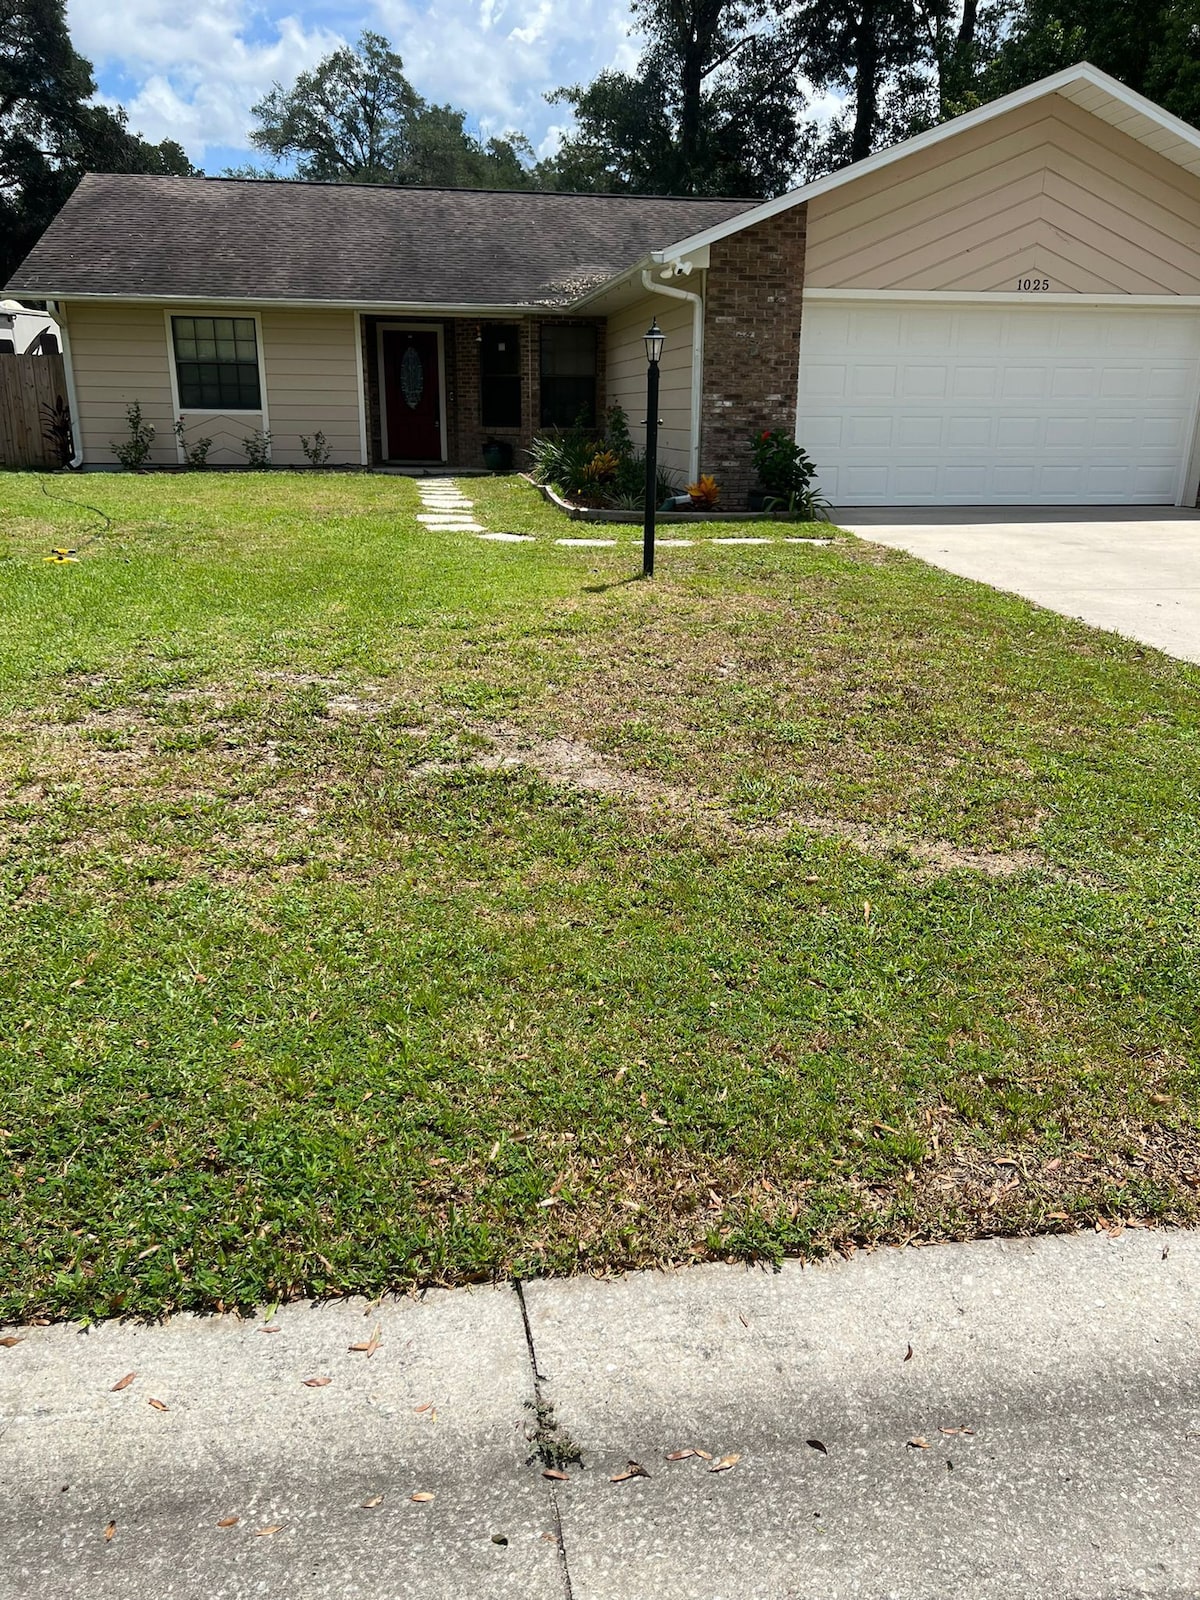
[654,348]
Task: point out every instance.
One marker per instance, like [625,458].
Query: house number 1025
[1033,285]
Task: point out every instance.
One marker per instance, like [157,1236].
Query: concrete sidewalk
[1043,1439]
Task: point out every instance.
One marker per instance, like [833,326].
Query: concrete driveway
[1134,570]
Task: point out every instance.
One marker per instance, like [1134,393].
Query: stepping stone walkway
[445,509]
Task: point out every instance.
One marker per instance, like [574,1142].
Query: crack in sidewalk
[552,1448]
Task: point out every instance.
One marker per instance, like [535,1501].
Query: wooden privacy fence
[26,384]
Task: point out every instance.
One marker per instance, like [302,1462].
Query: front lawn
[383,907]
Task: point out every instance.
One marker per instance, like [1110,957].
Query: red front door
[412,396]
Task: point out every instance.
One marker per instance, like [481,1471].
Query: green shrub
[786,473]
[257,446]
[134,452]
[195,454]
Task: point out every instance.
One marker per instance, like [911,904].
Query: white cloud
[192,72]
[195,73]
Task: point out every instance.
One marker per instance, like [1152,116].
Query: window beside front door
[568,376]
[500,377]
[216,363]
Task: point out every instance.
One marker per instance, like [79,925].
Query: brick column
[752,306]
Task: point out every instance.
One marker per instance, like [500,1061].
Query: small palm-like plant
[705,492]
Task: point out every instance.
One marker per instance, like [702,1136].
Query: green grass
[316,976]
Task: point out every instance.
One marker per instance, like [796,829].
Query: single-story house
[1003,310]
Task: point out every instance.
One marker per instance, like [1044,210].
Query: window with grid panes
[216,363]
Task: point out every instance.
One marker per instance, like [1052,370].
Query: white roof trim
[1081,76]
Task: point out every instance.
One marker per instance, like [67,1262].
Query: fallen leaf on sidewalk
[909,1356]
[123,1383]
[10,1339]
[375,1500]
[917,1443]
[270,1327]
[951,1432]
[369,1346]
[159,1405]
[265,1533]
[428,1406]
[633,1470]
[110,1530]
[1165,1254]
[682,1455]
[725,1463]
[316,1383]
[559,1477]
[421,1496]
[229,1522]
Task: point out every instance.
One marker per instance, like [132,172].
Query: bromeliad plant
[786,473]
[597,467]
[705,492]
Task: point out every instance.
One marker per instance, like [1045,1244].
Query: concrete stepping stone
[596,544]
[508,538]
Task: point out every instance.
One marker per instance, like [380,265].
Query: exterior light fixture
[654,342]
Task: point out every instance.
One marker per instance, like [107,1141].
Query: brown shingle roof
[222,238]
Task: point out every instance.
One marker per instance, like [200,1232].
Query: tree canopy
[50,131]
[355,118]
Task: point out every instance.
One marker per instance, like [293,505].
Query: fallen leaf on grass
[159,1405]
[375,1500]
[815,1444]
[123,1383]
[633,1470]
[229,1522]
[110,1530]
[316,1383]
[10,1339]
[265,1533]
[559,1477]
[725,1463]
[369,1346]
[421,1496]
[917,1443]
[682,1455]
[1160,1099]
[909,1354]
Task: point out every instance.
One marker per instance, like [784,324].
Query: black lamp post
[654,349]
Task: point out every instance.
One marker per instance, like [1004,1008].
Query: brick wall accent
[463,403]
[751,345]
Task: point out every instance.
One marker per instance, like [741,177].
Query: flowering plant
[786,472]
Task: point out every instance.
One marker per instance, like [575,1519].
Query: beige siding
[626,374]
[312,383]
[1047,191]
[119,355]
[226,432]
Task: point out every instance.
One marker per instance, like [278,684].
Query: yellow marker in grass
[61,557]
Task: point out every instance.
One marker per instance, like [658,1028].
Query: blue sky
[191,71]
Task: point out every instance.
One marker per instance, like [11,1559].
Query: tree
[50,133]
[1150,45]
[355,118]
[713,108]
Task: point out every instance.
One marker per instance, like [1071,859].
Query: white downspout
[54,309]
[654,287]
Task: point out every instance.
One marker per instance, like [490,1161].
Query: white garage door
[1017,405]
